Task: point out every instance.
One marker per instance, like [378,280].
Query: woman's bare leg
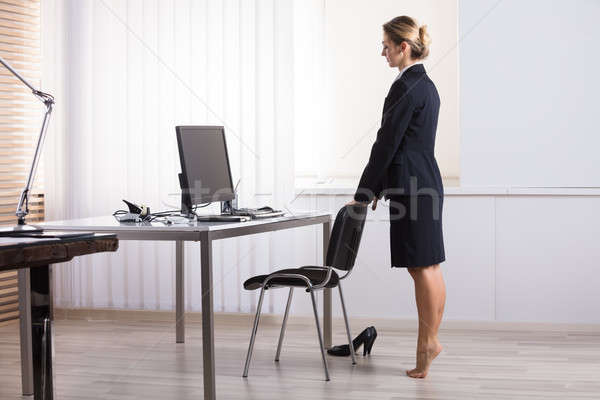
[430,293]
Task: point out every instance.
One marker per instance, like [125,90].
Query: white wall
[529,92]
[518,257]
[358,78]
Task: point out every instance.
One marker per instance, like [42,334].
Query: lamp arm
[24,199]
[48,101]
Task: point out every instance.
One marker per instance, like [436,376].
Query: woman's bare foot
[424,358]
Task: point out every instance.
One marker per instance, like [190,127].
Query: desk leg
[326,292]
[25,332]
[37,336]
[208,340]
[179,292]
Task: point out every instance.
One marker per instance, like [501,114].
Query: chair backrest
[345,237]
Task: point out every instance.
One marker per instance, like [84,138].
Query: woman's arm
[360,203]
[389,137]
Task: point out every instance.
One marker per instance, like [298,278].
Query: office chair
[341,254]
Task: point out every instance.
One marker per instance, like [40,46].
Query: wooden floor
[139,360]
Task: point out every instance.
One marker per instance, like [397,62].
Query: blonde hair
[405,29]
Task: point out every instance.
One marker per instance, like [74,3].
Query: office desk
[32,257]
[205,233]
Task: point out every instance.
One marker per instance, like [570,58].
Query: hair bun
[424,36]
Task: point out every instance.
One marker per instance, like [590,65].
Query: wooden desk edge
[51,253]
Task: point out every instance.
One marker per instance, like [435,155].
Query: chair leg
[283,325]
[314,303]
[347,324]
[254,329]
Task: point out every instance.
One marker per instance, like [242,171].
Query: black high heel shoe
[369,343]
[366,338]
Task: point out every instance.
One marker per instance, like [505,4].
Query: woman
[402,167]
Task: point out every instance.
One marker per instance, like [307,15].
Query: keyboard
[268,215]
[223,218]
[257,213]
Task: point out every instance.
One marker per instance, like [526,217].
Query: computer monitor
[206,175]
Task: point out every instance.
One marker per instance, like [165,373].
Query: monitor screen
[204,163]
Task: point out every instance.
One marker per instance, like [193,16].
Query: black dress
[403,169]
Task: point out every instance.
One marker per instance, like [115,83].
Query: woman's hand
[364,204]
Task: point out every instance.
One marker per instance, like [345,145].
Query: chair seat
[314,275]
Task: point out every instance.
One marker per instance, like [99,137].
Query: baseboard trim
[109,314]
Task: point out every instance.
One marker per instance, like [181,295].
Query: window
[20,121]
[357,80]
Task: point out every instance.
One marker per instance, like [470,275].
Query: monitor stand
[226,208]
[226,215]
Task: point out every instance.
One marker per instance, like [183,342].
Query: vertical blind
[20,121]
[124,75]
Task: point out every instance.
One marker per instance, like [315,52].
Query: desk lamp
[23,205]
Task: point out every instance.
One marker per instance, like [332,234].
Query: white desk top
[109,223]
[161,231]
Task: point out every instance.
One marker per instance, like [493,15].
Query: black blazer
[402,158]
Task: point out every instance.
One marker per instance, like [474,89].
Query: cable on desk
[161,216]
